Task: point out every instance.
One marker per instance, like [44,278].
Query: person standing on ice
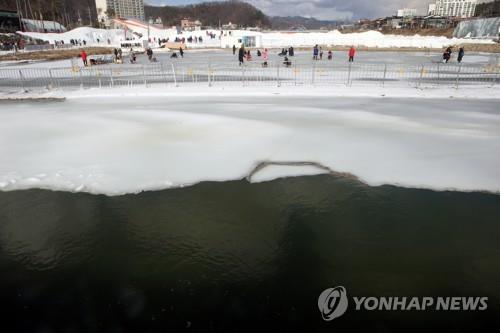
[265,57]
[234,49]
[241,55]
[149,52]
[447,55]
[352,53]
[330,55]
[461,53]
[83,54]
[181,52]
[315,52]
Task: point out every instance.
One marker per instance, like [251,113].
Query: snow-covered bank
[273,39]
[122,143]
[91,36]
[366,39]
[196,91]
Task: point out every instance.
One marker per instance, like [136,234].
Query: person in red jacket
[352,53]
[84,58]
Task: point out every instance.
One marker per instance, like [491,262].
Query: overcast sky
[324,9]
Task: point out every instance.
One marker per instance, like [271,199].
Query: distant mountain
[301,23]
[72,13]
[211,14]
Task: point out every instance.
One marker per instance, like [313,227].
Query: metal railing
[275,74]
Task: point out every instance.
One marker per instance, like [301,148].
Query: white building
[407,12]
[432,9]
[237,38]
[457,8]
[128,9]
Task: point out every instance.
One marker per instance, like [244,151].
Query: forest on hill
[212,14]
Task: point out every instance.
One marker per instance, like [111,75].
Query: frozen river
[226,58]
[116,145]
[209,68]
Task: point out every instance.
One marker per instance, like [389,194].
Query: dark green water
[236,256]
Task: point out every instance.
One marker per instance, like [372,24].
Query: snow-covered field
[123,141]
[367,39]
[219,58]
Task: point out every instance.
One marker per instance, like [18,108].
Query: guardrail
[276,74]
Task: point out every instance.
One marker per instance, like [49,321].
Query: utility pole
[90,17]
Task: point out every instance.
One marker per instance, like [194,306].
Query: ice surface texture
[119,144]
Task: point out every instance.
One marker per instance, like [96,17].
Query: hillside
[67,12]
[211,14]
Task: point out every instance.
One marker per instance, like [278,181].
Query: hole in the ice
[319,168]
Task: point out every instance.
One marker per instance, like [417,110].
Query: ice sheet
[124,144]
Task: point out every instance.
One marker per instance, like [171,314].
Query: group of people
[318,53]
[195,39]
[244,55]
[76,42]
[287,52]
[149,53]
[10,42]
[448,52]
[118,55]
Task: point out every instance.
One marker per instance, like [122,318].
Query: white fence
[387,75]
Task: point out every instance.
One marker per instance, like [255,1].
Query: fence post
[313,75]
[295,74]
[243,75]
[175,77]
[495,77]
[98,76]
[349,75]
[209,73]
[51,79]
[278,74]
[439,74]
[22,80]
[81,78]
[385,75]
[163,73]
[421,75]
[458,75]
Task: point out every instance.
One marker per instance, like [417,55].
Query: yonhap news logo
[333,303]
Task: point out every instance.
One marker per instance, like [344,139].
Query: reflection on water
[235,256]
